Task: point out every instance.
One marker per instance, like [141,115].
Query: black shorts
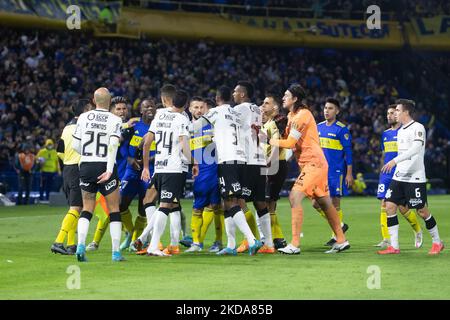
[275,182]
[254,183]
[71,185]
[169,186]
[231,176]
[413,195]
[89,173]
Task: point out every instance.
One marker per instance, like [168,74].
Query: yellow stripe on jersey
[200,142]
[333,144]
[390,146]
[135,141]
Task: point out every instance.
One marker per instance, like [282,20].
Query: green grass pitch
[28,270]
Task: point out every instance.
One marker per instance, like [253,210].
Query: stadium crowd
[311,8]
[42,72]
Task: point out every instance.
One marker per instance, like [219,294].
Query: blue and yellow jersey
[122,152]
[389,144]
[336,143]
[203,150]
[140,130]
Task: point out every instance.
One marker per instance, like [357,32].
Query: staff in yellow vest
[49,167]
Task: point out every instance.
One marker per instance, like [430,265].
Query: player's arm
[275,152]
[346,141]
[183,140]
[113,146]
[197,126]
[60,148]
[417,144]
[148,140]
[294,135]
[131,158]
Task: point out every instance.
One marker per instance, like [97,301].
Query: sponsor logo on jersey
[246,192]
[415,201]
[84,184]
[110,185]
[166,194]
[167,116]
[236,186]
[91,116]
[101,117]
[162,163]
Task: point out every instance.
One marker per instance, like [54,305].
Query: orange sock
[297,222]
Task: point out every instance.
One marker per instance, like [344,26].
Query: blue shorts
[206,192]
[336,185]
[131,185]
[383,185]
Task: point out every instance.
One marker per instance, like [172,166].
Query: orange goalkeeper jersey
[307,149]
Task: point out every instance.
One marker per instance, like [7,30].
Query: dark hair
[197,98]
[407,104]
[248,88]
[210,103]
[79,106]
[392,106]
[117,100]
[298,92]
[168,90]
[333,101]
[276,99]
[159,105]
[224,93]
[181,98]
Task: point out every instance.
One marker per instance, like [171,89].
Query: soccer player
[389,149]
[312,182]
[277,156]
[96,139]
[254,183]
[131,184]
[170,130]
[231,165]
[206,185]
[336,143]
[119,108]
[71,181]
[408,185]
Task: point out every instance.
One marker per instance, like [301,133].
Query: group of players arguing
[236,154]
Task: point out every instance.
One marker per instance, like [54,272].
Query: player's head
[223,95]
[119,107]
[168,92]
[293,97]
[209,104]
[404,110]
[270,107]
[197,107]
[331,109]
[102,98]
[148,110]
[81,105]
[181,99]
[391,119]
[243,92]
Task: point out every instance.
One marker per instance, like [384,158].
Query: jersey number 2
[101,148]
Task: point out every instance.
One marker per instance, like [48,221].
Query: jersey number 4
[166,141]
[101,149]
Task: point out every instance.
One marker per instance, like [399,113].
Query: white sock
[230,229]
[82,230]
[158,230]
[393,233]
[434,232]
[261,233]
[175,227]
[115,229]
[241,222]
[149,213]
[266,229]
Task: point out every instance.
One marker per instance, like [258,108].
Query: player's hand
[387,168]
[132,122]
[349,180]
[104,177]
[272,142]
[195,171]
[145,176]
